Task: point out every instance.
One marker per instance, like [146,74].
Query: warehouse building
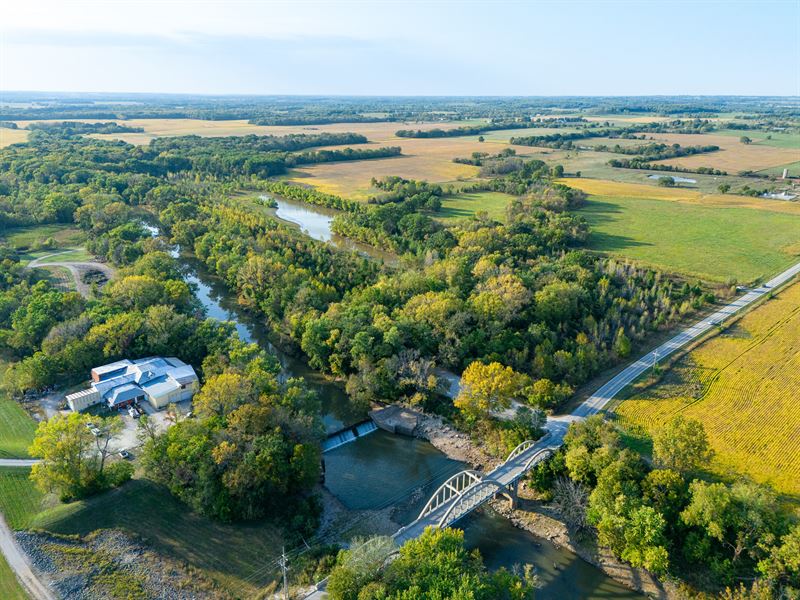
[159,381]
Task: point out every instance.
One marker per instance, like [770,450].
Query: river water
[381,469]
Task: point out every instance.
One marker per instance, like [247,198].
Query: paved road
[614,386]
[18,462]
[557,426]
[76,268]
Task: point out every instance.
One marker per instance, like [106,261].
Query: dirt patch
[108,564]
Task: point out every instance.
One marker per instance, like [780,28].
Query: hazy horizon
[391,48]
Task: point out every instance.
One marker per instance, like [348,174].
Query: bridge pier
[510,493]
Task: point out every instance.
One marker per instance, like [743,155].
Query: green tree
[724,188]
[781,566]
[682,445]
[745,140]
[737,517]
[622,345]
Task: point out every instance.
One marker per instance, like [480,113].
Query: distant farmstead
[160,381]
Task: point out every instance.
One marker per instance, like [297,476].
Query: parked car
[125,454]
[133,412]
[95,431]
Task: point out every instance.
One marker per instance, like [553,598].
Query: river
[382,469]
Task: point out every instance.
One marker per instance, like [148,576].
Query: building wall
[83,402]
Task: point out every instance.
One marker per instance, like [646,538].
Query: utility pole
[655,360]
[285,569]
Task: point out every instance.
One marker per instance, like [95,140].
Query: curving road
[76,269]
[557,426]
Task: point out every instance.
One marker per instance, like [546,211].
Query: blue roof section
[155,376]
[124,393]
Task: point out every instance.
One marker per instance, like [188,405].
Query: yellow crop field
[744,386]
[12,136]
[604,187]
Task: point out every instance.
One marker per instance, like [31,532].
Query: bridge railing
[449,490]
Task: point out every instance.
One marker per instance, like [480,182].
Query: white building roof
[154,375]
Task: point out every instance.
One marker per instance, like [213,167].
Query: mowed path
[76,269]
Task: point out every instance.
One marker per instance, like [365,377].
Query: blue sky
[407,47]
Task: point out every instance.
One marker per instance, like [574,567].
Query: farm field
[468,204]
[12,136]
[711,243]
[742,385]
[684,232]
[603,187]
[154,128]
[733,156]
[776,139]
[793,167]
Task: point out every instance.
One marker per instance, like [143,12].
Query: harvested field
[12,136]
[733,156]
[603,187]
[742,385]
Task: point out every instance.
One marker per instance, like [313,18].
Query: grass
[707,242]
[742,385]
[793,167]
[151,513]
[20,501]
[16,426]
[468,204]
[776,139]
[26,237]
[10,589]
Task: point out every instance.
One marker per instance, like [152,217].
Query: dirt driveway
[76,268]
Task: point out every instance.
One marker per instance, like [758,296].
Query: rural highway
[18,462]
[557,426]
[615,385]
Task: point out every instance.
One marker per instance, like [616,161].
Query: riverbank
[537,518]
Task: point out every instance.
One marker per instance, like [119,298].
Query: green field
[794,169]
[20,501]
[25,237]
[710,242]
[468,204]
[16,426]
[776,139]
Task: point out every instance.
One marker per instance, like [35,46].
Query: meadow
[742,385]
[27,237]
[711,243]
[151,513]
[464,205]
